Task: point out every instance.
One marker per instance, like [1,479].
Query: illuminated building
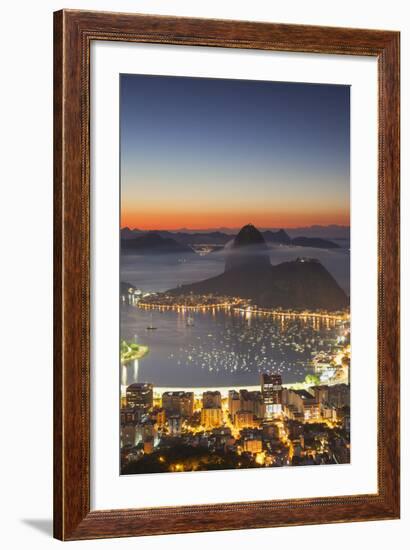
[159,416]
[271,386]
[252,401]
[140,396]
[129,415]
[234,403]
[245,419]
[293,404]
[211,399]
[311,408]
[253,445]
[312,411]
[146,430]
[293,412]
[178,402]
[175,424]
[211,412]
[329,413]
[211,417]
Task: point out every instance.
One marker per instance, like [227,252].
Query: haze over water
[160,273]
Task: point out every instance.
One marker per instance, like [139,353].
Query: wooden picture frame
[74,32]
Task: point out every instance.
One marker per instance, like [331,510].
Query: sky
[207,153]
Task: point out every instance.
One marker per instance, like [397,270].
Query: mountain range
[141,242]
[153,243]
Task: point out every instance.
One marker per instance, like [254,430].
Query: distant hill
[300,284]
[314,242]
[127,233]
[191,238]
[331,232]
[278,237]
[153,243]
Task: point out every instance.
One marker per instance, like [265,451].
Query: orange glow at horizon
[204,220]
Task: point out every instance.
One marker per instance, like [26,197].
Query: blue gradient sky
[202,153]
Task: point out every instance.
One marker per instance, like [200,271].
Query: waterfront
[218,346]
[159,273]
[224,348]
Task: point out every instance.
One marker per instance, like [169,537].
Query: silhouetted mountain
[322,231]
[300,284]
[220,238]
[127,233]
[153,243]
[331,231]
[314,242]
[281,237]
[277,237]
[248,248]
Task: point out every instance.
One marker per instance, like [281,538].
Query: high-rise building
[234,403]
[178,402]
[271,387]
[130,415]
[252,401]
[211,417]
[211,399]
[160,417]
[293,403]
[140,396]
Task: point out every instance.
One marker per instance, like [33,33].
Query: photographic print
[234,274]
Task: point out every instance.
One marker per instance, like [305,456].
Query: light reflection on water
[222,348]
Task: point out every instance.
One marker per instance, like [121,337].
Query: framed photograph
[226,289]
